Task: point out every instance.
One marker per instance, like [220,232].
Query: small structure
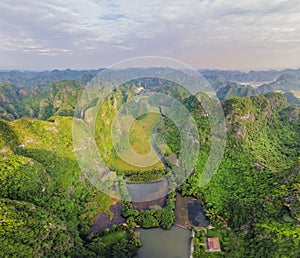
[213,245]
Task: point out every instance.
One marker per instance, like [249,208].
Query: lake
[158,243]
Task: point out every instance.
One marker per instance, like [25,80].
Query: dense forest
[47,205]
[253,200]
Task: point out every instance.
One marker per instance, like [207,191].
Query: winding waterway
[154,132]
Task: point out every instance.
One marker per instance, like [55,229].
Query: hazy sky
[224,34]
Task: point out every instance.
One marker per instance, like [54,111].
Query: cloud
[98,33]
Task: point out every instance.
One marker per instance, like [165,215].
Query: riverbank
[192,244]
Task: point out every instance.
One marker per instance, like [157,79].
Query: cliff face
[256,110]
[233,89]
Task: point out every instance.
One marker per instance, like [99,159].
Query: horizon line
[150,67]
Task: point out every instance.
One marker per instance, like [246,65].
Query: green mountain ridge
[59,99]
[22,94]
[285,82]
[235,90]
[283,85]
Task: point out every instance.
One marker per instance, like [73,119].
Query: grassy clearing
[140,141]
[120,165]
[141,132]
[103,202]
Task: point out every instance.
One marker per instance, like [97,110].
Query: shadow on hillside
[10,138]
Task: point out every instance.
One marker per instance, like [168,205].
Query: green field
[140,141]
[141,132]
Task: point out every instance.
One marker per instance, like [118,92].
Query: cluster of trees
[27,230]
[146,176]
[163,218]
[118,241]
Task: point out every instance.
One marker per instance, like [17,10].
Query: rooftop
[213,245]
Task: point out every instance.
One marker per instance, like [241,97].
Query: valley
[50,208]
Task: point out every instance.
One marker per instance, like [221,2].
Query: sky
[212,34]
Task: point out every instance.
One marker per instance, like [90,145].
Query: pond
[158,243]
[189,212]
[196,214]
[103,220]
[144,195]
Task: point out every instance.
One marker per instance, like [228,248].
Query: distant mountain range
[230,84]
[254,76]
[47,93]
[44,78]
[29,79]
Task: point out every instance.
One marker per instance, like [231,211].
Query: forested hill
[255,193]
[58,99]
[46,204]
[41,94]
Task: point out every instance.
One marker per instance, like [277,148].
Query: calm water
[197,215]
[158,243]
